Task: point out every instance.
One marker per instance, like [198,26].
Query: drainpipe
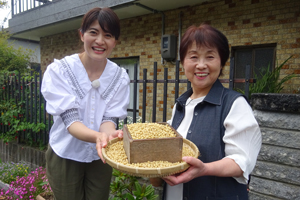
[162,30]
[12,8]
[179,34]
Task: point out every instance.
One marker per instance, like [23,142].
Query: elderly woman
[218,120]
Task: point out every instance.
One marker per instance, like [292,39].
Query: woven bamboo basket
[150,172]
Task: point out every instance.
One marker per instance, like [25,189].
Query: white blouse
[71,97]
[242,139]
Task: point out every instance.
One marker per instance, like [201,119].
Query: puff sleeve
[57,91]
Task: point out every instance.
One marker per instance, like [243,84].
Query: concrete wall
[56,11]
[277,171]
[14,152]
[32,45]
[246,22]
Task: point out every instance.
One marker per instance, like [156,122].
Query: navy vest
[206,131]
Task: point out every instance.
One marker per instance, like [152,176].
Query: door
[128,64]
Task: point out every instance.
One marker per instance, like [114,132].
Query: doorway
[128,65]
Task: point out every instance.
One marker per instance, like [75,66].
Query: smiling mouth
[201,75]
[98,49]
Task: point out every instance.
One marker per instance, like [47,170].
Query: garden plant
[267,81]
[28,187]
[128,187]
[9,172]
[23,184]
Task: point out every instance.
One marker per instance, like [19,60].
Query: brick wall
[244,22]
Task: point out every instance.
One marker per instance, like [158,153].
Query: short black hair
[107,19]
[205,35]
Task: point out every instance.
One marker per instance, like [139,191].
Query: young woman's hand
[106,132]
[103,138]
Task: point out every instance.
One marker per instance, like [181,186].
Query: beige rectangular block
[161,149]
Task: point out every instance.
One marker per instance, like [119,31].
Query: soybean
[117,153]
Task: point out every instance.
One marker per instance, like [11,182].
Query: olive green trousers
[72,180]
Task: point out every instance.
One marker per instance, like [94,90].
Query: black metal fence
[26,92]
[25,97]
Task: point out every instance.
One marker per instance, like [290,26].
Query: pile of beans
[117,153]
[150,131]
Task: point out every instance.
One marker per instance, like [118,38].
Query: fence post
[3,99]
[35,113]
[247,77]
[165,94]
[23,104]
[15,89]
[154,92]
[125,120]
[40,96]
[144,95]
[231,71]
[19,87]
[31,101]
[45,116]
[8,89]
[26,103]
[177,80]
[134,92]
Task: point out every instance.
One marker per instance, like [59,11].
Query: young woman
[86,93]
[218,120]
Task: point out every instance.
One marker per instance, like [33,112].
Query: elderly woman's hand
[225,167]
[196,169]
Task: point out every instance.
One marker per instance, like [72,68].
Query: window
[128,64]
[260,58]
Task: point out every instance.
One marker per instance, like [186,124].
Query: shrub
[13,59]
[125,186]
[12,115]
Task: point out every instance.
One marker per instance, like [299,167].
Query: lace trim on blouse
[113,84]
[70,116]
[78,90]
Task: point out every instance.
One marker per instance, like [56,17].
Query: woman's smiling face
[98,44]
[202,67]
